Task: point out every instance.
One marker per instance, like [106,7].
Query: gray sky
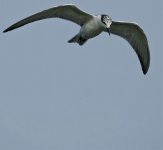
[55,95]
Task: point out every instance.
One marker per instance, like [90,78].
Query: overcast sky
[60,96]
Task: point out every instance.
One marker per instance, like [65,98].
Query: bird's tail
[77,39]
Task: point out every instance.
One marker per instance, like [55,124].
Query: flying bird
[93,25]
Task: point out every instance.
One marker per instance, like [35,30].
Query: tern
[93,25]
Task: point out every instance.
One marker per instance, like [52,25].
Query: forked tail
[77,39]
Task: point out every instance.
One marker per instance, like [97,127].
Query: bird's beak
[108,29]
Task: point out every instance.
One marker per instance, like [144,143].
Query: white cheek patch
[108,24]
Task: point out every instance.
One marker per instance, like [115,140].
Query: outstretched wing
[137,39]
[68,12]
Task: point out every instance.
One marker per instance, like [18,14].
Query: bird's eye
[104,23]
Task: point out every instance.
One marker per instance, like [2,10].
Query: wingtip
[5,31]
[9,29]
[145,70]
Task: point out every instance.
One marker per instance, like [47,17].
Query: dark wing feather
[137,39]
[68,12]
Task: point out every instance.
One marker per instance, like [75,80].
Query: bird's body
[93,25]
[89,30]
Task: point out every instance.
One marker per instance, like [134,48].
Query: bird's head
[107,21]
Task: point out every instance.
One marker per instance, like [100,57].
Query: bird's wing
[68,12]
[137,39]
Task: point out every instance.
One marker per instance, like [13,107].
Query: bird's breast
[91,29]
